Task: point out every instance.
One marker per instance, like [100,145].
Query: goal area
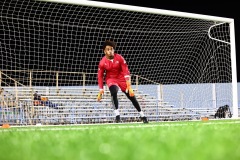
[183,65]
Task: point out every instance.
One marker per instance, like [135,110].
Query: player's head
[108,48]
[109,43]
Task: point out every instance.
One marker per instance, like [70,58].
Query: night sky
[226,9]
[55,37]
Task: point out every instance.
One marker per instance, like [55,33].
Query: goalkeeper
[117,76]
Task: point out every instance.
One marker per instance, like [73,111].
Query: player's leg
[134,101]
[114,90]
[137,106]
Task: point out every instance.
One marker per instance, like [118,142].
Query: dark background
[227,9]
[32,39]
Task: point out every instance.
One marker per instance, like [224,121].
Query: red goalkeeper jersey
[116,70]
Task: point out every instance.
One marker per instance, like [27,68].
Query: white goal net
[182,65]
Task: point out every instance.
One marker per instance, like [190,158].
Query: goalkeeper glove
[99,96]
[129,89]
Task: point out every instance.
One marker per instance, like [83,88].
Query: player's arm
[100,81]
[127,77]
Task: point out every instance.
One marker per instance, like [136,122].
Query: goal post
[234,69]
[215,19]
[184,62]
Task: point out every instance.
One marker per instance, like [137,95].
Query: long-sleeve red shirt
[116,68]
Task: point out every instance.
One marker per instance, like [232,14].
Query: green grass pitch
[188,140]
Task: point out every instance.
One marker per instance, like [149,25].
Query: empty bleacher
[76,105]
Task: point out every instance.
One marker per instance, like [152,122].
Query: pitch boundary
[110,126]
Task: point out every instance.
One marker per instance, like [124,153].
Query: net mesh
[46,44]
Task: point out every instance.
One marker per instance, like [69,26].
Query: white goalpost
[183,65]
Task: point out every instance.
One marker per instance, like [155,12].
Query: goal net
[182,65]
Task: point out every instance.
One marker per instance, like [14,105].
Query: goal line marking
[121,126]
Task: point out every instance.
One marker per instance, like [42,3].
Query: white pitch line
[81,127]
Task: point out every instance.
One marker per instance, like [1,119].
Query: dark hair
[109,43]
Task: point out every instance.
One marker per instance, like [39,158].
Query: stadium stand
[70,105]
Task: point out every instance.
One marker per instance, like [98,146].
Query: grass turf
[190,140]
